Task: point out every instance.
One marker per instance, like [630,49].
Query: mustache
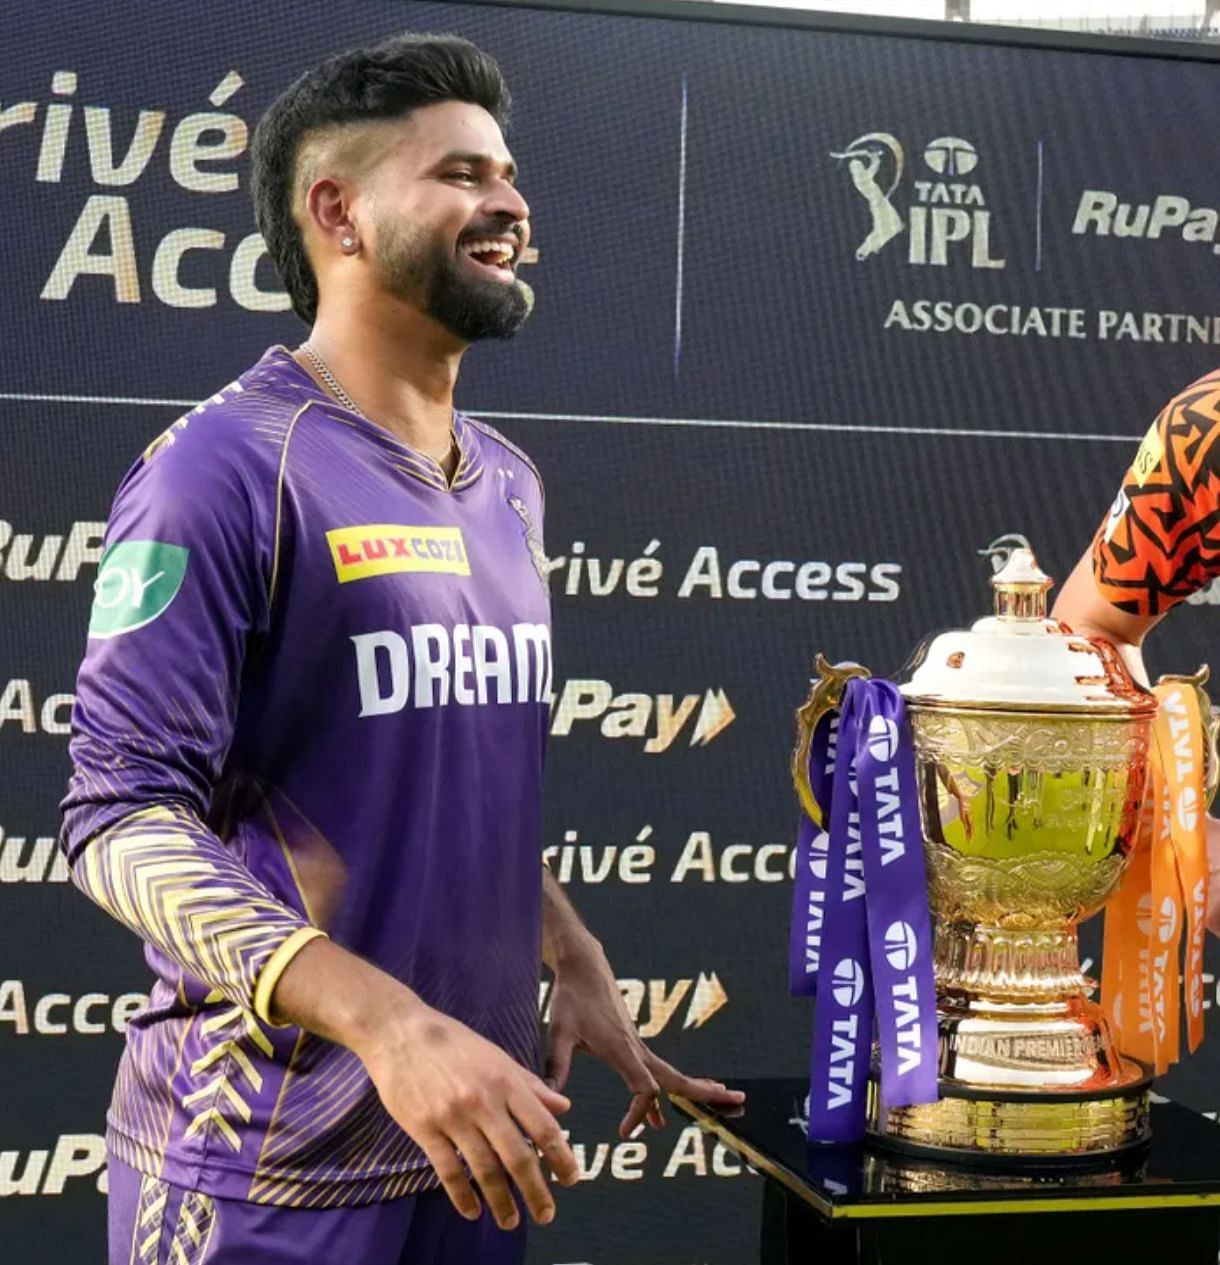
[494,228]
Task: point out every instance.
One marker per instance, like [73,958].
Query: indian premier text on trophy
[956,829]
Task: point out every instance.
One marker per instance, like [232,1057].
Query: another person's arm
[1082,607]
[1160,541]
[1159,544]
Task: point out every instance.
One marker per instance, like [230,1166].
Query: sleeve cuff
[275,966]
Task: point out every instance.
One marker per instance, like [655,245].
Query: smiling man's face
[447,223]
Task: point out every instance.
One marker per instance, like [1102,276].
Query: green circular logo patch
[136,581]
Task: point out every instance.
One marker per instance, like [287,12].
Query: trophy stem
[1029,1067]
[996,964]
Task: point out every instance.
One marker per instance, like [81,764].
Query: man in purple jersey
[309,731]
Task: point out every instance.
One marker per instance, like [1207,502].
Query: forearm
[563,933]
[163,874]
[335,994]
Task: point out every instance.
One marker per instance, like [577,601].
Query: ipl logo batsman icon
[865,157]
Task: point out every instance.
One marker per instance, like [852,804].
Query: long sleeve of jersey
[182,599]
[1161,540]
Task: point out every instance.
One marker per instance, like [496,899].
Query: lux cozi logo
[386,548]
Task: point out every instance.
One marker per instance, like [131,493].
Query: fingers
[695,1088]
[520,1161]
[555,1102]
[559,1059]
[644,1089]
[643,1107]
[487,1169]
[542,1128]
[495,1150]
[448,1168]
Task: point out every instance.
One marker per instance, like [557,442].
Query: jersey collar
[402,456]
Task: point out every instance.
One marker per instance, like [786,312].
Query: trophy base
[1013,1128]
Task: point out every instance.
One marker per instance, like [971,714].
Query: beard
[420,272]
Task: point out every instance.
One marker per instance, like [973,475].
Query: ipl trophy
[1031,762]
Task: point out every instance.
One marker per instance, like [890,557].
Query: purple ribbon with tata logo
[864,907]
[812,849]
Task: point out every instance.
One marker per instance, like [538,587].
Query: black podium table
[835,1205]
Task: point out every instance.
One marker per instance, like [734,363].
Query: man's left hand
[588,1013]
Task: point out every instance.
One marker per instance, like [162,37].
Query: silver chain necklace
[346,400]
[331,381]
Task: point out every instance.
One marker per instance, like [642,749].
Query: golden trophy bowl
[1031,749]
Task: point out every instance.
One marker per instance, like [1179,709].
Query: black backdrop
[756,444]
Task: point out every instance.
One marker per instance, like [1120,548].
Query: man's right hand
[462,1098]
[456,1094]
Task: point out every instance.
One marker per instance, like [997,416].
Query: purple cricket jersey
[315,698]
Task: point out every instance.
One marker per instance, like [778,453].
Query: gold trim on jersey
[279,503]
[275,966]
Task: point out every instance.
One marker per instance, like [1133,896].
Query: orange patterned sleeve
[1161,540]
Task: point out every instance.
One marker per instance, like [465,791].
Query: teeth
[502,250]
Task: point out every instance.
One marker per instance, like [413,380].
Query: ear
[327,208]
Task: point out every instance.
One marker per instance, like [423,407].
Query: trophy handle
[825,697]
[1211,726]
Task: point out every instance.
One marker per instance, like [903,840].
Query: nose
[505,200]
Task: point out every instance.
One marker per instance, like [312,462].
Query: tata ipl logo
[949,214]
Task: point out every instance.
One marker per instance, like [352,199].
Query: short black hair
[386,80]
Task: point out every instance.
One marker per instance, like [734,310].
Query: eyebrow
[477,160]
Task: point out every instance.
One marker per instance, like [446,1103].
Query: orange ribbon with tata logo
[1163,894]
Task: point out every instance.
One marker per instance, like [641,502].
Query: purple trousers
[154,1223]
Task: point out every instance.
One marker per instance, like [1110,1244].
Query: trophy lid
[1018,659]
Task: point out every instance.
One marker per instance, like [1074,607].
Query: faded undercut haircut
[387,80]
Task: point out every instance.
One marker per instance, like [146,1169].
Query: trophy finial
[1021,587]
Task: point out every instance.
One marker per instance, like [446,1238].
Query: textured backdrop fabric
[772,258]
